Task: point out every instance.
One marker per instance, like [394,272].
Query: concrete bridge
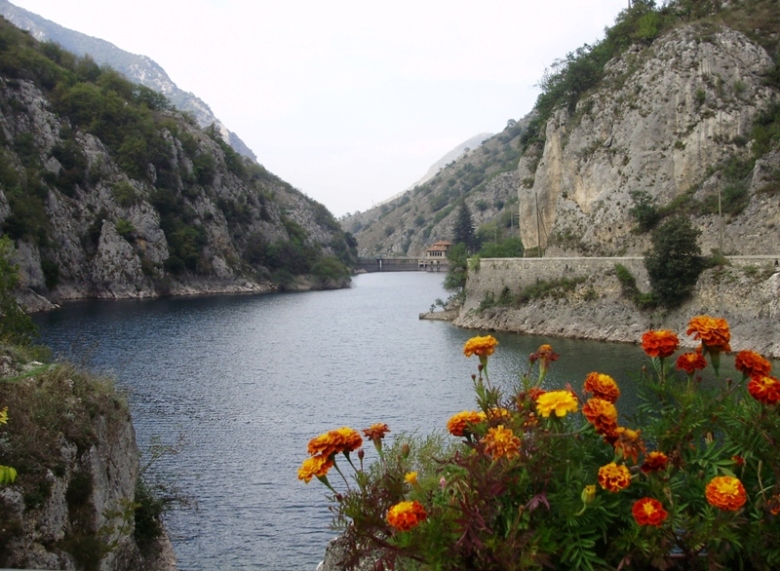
[402,264]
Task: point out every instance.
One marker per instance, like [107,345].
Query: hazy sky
[349,101]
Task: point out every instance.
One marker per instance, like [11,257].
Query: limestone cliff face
[663,121]
[194,217]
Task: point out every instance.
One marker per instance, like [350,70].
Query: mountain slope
[675,112]
[138,68]
[109,192]
[485,177]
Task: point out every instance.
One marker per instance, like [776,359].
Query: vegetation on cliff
[83,148]
[76,497]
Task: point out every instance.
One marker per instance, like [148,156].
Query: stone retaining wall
[746,292]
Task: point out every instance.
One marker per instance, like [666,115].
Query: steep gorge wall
[664,120]
[746,292]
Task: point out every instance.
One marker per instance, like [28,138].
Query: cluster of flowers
[505,436]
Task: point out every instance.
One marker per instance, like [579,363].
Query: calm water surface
[241,383]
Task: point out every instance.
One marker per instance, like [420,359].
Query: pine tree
[464,229]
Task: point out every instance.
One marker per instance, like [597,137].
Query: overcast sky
[349,101]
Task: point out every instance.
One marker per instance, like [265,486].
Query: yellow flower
[315,466]
[480,346]
[411,478]
[559,402]
[501,442]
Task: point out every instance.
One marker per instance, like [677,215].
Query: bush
[329,272]
[534,480]
[15,325]
[644,211]
[674,262]
[511,247]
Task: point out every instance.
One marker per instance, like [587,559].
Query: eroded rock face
[664,118]
[80,515]
[102,232]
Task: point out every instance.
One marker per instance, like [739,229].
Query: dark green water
[245,382]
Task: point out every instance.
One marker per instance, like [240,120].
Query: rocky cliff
[673,121]
[73,504]
[109,192]
[137,68]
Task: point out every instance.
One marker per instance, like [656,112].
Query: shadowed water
[246,381]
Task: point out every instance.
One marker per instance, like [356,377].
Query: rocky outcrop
[72,505]
[143,206]
[665,120]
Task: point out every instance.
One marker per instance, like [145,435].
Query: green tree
[15,325]
[674,262]
[455,279]
[511,247]
[464,229]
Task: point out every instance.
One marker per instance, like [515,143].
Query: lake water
[241,383]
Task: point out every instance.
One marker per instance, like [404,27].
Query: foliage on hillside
[483,178]
[568,79]
[172,164]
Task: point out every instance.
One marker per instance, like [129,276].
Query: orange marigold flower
[545,355]
[480,346]
[690,362]
[614,478]
[602,414]
[315,466]
[333,442]
[774,504]
[629,443]
[501,442]
[649,511]
[559,402]
[654,462]
[751,364]
[602,386]
[376,431]
[764,389]
[660,343]
[713,332]
[404,516]
[461,422]
[726,493]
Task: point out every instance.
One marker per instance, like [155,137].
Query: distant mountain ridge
[138,68]
[464,147]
